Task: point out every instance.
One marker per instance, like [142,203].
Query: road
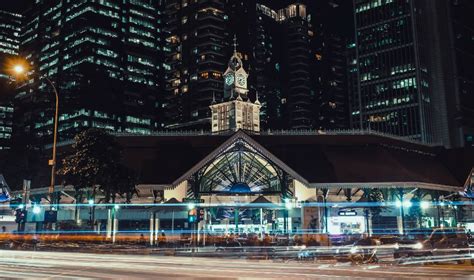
[55,265]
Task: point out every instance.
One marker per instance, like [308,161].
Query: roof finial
[214,98]
[256,99]
[235,44]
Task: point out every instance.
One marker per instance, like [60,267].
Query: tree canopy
[95,161]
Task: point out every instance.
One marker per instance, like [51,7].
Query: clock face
[241,80]
[229,79]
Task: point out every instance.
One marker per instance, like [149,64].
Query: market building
[243,180]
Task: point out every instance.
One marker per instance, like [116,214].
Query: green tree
[376,196]
[416,212]
[95,162]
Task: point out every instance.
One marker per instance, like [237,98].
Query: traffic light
[15,203]
[201,214]
[192,215]
[20,216]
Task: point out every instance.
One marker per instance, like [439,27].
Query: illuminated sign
[347,213]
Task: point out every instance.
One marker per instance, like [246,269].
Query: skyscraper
[196,41]
[10,25]
[296,55]
[103,57]
[392,92]
[462,38]
[275,42]
[412,75]
[333,27]
[407,84]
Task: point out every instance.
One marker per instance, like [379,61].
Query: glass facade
[389,71]
[196,53]
[104,58]
[10,28]
[408,62]
[295,52]
[463,36]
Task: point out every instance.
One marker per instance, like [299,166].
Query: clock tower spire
[235,77]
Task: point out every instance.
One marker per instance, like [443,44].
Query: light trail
[248,205]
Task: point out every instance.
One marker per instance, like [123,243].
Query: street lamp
[36,209]
[425,205]
[19,70]
[91,212]
[407,203]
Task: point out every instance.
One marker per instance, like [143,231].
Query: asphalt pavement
[60,265]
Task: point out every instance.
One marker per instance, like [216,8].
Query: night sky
[13,5]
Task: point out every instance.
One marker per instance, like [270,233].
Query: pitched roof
[230,141]
[316,158]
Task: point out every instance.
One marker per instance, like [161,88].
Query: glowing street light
[407,203]
[90,202]
[425,205]
[19,69]
[117,207]
[398,203]
[404,203]
[36,209]
[191,206]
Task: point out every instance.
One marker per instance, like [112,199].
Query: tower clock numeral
[229,79]
[241,80]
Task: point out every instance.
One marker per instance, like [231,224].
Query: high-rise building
[296,54]
[104,58]
[275,41]
[406,83]
[196,52]
[393,95]
[10,27]
[258,34]
[333,29]
[462,38]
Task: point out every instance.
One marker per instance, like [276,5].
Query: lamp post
[20,70]
[55,139]
[90,202]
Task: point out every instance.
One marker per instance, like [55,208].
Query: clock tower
[236,111]
[235,77]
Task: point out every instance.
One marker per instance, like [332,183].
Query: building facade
[10,28]
[196,41]
[393,94]
[296,54]
[462,34]
[103,57]
[408,74]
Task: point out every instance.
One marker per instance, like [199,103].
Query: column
[152,225]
